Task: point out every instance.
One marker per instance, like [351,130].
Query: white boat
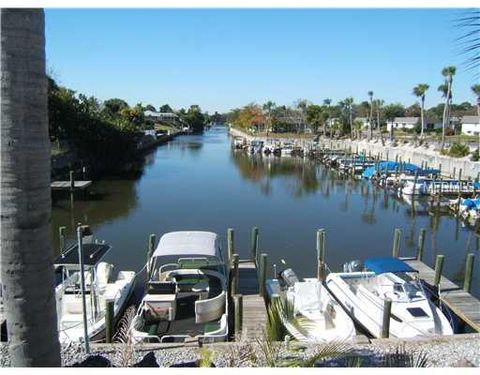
[315,317]
[186,296]
[99,288]
[286,149]
[362,294]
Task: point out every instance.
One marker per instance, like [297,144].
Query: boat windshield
[400,287]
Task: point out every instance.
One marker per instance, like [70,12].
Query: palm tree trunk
[26,253]
[422,117]
[370,119]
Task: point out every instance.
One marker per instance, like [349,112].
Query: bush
[476,155]
[457,150]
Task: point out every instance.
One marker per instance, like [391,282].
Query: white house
[363,120]
[471,125]
[403,123]
[160,116]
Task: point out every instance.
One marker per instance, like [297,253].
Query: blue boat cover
[383,265]
[391,166]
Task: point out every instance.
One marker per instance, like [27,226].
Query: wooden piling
[61,238]
[387,309]
[109,320]
[454,172]
[238,302]
[396,242]
[421,243]
[230,244]
[235,274]
[254,244]
[438,269]
[263,274]
[467,282]
[150,250]
[321,254]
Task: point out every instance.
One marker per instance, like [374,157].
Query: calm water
[198,182]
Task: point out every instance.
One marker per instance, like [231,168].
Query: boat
[310,313]
[286,149]
[363,288]
[99,288]
[186,292]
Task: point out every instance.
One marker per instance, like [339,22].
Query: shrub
[476,155]
[457,150]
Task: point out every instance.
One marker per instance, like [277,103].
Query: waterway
[197,182]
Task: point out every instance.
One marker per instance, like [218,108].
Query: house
[160,116]
[403,123]
[362,120]
[471,125]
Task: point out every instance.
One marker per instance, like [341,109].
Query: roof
[471,120]
[384,265]
[159,114]
[92,254]
[364,119]
[187,243]
[406,120]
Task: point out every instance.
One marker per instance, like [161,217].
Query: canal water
[197,182]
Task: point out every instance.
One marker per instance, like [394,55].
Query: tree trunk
[445,112]
[370,119]
[26,253]
[422,117]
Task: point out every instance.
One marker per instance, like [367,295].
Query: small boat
[186,295]
[362,293]
[99,288]
[286,149]
[311,314]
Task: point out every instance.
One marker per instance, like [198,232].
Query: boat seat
[210,309]
[162,287]
[216,327]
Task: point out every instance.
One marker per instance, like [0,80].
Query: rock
[186,364]
[94,361]
[463,363]
[148,361]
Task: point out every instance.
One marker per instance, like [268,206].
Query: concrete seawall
[416,155]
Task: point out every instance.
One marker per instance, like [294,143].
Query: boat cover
[188,243]
[307,296]
[393,166]
[384,265]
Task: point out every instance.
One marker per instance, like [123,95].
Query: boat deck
[463,304]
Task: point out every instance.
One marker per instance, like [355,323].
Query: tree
[370,117]
[149,107]
[476,91]
[114,106]
[393,110]
[448,72]
[314,117]
[165,109]
[419,91]
[347,107]
[269,107]
[26,255]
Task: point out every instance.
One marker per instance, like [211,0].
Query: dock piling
[230,244]
[387,309]
[396,242]
[254,244]
[321,254]
[61,237]
[238,302]
[263,274]
[109,320]
[421,243]
[438,269]
[235,274]
[467,282]
[151,248]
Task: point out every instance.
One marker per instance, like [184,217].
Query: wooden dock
[254,319]
[462,304]
[67,185]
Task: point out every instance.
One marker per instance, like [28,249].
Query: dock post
[230,243]
[459,187]
[263,274]
[387,309]
[254,244]
[72,187]
[321,254]
[235,274]
[421,243]
[396,242]
[238,301]
[454,172]
[150,249]
[467,282]
[109,320]
[438,270]
[61,237]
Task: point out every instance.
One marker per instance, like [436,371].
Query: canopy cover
[92,254]
[393,166]
[384,265]
[187,243]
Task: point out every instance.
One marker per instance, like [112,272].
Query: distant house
[362,120]
[471,125]
[403,123]
[160,116]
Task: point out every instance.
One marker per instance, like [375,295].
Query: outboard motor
[353,266]
[288,277]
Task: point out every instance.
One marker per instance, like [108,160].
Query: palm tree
[476,91]
[26,253]
[448,72]
[419,91]
[370,94]
[326,114]
[269,107]
[347,106]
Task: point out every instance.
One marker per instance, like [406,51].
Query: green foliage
[394,110]
[457,150]
[315,116]
[194,118]
[206,358]
[476,155]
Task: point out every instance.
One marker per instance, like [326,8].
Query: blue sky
[221,59]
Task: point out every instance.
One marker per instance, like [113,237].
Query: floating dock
[67,185]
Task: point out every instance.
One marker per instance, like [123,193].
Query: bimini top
[92,254]
[383,265]
[186,243]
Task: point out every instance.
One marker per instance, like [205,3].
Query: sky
[222,59]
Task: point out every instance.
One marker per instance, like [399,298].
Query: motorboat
[310,313]
[286,149]
[186,292]
[363,288]
[100,287]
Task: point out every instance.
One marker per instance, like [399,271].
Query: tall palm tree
[370,94]
[327,103]
[448,72]
[476,91]
[26,253]
[269,107]
[419,91]
[347,106]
